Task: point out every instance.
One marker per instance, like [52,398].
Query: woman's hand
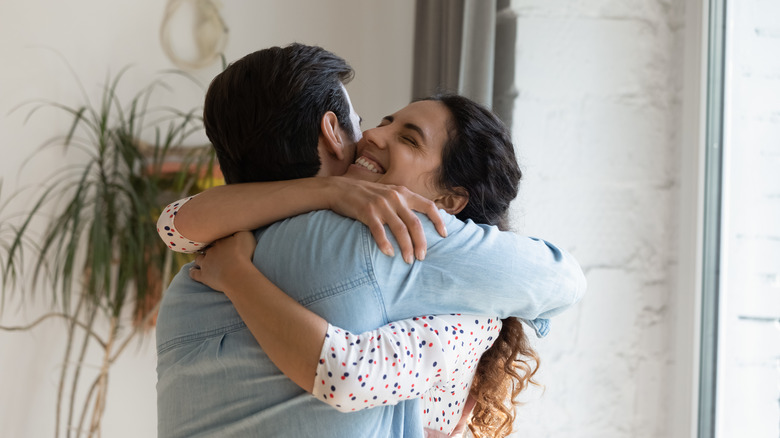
[219,266]
[267,311]
[377,204]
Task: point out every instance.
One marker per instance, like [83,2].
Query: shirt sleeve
[479,269]
[401,360]
[166,228]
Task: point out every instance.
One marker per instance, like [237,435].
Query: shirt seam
[366,241]
[336,290]
[198,336]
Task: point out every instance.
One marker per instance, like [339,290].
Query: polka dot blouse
[430,357]
[167,230]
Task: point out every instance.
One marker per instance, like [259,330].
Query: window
[740,369]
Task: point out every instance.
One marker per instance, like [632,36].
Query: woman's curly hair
[505,370]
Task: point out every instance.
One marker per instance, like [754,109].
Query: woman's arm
[393,363]
[289,333]
[219,211]
[432,355]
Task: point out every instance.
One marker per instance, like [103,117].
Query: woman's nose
[377,136]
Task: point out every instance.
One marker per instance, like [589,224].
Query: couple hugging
[379,295]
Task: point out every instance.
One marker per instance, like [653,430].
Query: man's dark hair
[263,113]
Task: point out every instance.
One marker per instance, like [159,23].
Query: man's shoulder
[460,233]
[321,230]
[313,251]
[312,222]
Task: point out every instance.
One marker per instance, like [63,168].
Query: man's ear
[332,134]
[453,202]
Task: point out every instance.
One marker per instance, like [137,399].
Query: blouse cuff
[168,232]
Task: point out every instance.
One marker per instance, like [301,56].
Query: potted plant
[99,254]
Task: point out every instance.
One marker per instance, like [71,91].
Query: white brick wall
[597,127]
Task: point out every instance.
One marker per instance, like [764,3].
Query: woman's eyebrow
[412,126]
[416,129]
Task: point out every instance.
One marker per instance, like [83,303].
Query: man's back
[215,380]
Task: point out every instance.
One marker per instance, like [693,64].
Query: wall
[597,126]
[98,37]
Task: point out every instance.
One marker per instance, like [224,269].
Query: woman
[428,147]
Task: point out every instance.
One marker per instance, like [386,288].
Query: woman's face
[405,149]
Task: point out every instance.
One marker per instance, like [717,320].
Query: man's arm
[478,269]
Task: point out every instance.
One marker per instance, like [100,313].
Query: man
[213,378]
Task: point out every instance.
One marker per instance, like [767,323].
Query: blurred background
[649,136]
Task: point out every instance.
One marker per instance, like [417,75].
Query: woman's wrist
[332,190]
[239,278]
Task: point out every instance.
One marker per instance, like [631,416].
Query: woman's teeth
[363,162]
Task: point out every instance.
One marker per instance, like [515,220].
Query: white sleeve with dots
[168,231]
[432,357]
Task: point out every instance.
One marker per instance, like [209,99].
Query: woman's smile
[369,164]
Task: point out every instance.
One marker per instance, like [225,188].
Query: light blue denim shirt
[215,381]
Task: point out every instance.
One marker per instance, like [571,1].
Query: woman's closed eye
[410,140]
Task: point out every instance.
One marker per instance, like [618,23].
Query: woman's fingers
[377,229]
[396,208]
[377,205]
[429,209]
[415,231]
[195,274]
[403,237]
